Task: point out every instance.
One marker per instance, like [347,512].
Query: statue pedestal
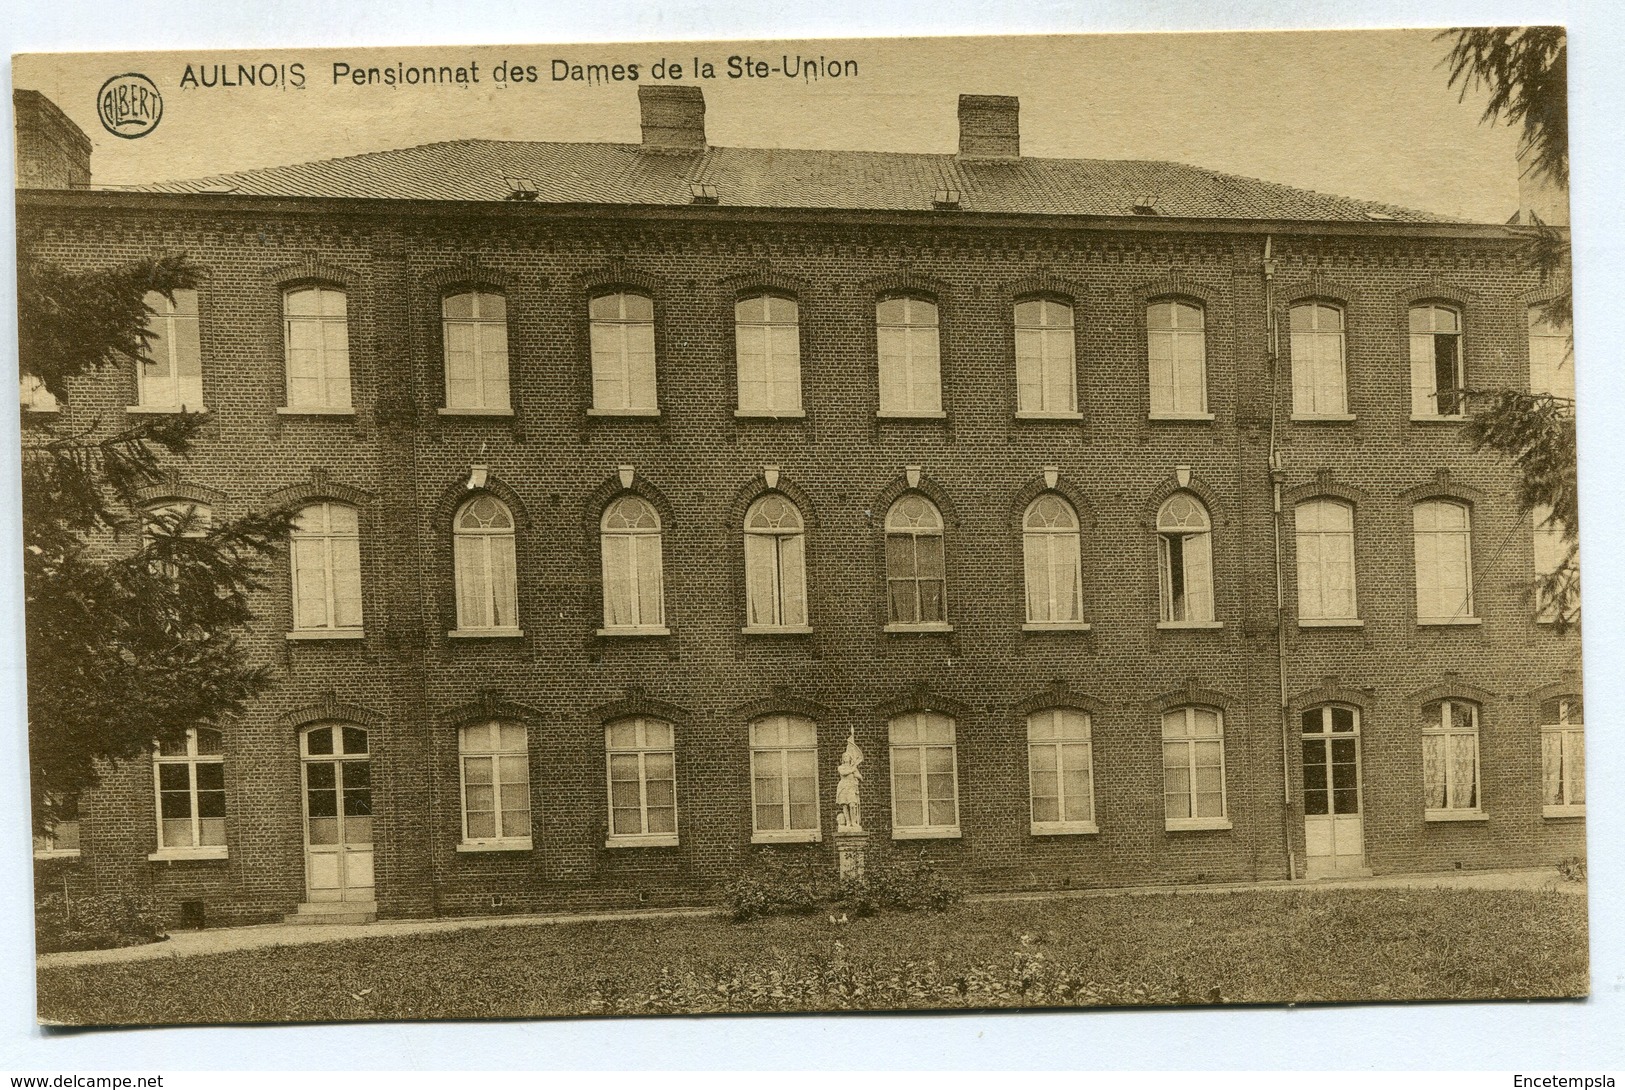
[851,846]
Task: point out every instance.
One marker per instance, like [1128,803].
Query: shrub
[905,885]
[1573,869]
[798,887]
[780,887]
[96,923]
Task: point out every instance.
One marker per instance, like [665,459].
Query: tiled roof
[628,174]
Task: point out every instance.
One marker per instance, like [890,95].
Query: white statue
[849,814]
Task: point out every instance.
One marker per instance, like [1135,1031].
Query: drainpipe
[1277,479]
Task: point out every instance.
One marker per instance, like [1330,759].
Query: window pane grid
[1450,756]
[496,782]
[1046,357]
[316,339]
[784,776]
[767,338]
[189,785]
[910,363]
[1059,768]
[925,793]
[326,559]
[1193,764]
[1443,547]
[622,336]
[174,377]
[642,778]
[475,332]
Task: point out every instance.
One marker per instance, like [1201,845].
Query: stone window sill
[1330,622]
[1190,624]
[1188,418]
[1041,414]
[769,414]
[789,630]
[936,832]
[1447,622]
[1192,825]
[485,633]
[162,410]
[897,627]
[1062,828]
[911,414]
[169,855]
[654,840]
[473,410]
[57,411]
[793,836]
[623,412]
[642,630]
[327,634]
[1322,418]
[514,844]
[58,853]
[1455,815]
[315,410]
[1545,811]
[1055,626]
[1438,419]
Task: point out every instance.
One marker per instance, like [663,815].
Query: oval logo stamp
[129,105]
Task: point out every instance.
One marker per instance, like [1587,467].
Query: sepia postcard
[742,527]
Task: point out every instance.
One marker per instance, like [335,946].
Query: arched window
[623,353]
[1444,562]
[1185,560]
[1193,768]
[1325,553]
[483,555]
[475,332]
[784,779]
[775,565]
[1450,759]
[767,344]
[1060,771]
[642,783]
[169,519]
[1438,375]
[190,782]
[1176,345]
[1319,384]
[316,339]
[924,776]
[910,357]
[1053,562]
[1046,358]
[172,378]
[916,571]
[634,596]
[326,557]
[1562,757]
[496,785]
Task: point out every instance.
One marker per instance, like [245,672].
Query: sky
[1362,114]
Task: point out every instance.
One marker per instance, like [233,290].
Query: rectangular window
[326,549]
[784,779]
[1450,760]
[474,326]
[1060,772]
[1318,383]
[1444,563]
[1046,359]
[496,786]
[642,783]
[316,339]
[622,327]
[1193,792]
[1325,560]
[172,378]
[189,779]
[1438,378]
[1556,569]
[924,777]
[62,839]
[1551,357]
[1562,757]
[767,340]
[1176,346]
[35,397]
[910,357]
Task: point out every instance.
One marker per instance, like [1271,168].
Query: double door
[338,813]
[1333,824]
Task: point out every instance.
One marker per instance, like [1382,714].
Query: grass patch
[1246,947]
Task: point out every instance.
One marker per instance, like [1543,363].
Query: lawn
[1190,948]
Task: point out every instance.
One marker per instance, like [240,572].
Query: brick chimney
[673,117]
[52,152]
[989,127]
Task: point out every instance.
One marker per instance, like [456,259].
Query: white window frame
[1425,393]
[782,370]
[1567,730]
[788,834]
[1043,549]
[1319,355]
[613,368]
[635,574]
[1169,344]
[1550,550]
[1195,567]
[173,343]
[49,845]
[1072,728]
[777,555]
[478,553]
[909,355]
[1189,739]
[487,353]
[643,750]
[1428,546]
[897,527]
[1053,348]
[499,789]
[190,760]
[1313,565]
[332,365]
[927,830]
[1551,356]
[1444,727]
[333,541]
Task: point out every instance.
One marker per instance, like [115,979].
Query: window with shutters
[775,567]
[784,780]
[189,780]
[642,783]
[483,557]
[622,328]
[910,357]
[325,551]
[1052,564]
[1060,771]
[1176,347]
[1551,356]
[1185,563]
[1450,785]
[1046,360]
[767,345]
[474,328]
[495,761]
[924,777]
[316,343]
[1193,793]
[634,590]
[1438,374]
[1319,378]
[1444,562]
[1562,757]
[1325,562]
[916,569]
[171,379]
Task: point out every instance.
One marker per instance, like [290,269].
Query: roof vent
[673,117]
[946,198]
[219,187]
[520,189]
[989,127]
[702,193]
[1373,214]
[1146,206]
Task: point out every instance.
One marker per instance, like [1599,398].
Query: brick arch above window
[1568,685]
[1191,693]
[467,274]
[1175,284]
[1436,289]
[1443,487]
[1170,487]
[757,487]
[762,278]
[312,270]
[903,282]
[1058,694]
[922,698]
[457,493]
[330,707]
[1331,690]
[611,489]
[1043,285]
[490,704]
[1325,486]
[616,276]
[928,487]
[1065,487]
[1451,687]
[1316,287]
[638,702]
[781,701]
[175,488]
[319,486]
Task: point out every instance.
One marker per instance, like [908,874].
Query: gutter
[1272,346]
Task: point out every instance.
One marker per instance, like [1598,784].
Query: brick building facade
[1020,739]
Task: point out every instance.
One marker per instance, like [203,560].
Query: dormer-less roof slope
[629,174]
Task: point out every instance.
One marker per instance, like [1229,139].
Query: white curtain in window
[1176,347]
[910,356]
[1318,385]
[623,352]
[767,338]
[1046,357]
[317,345]
[1325,559]
[630,543]
[1052,556]
[1443,546]
[327,567]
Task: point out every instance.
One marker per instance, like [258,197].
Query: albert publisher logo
[129,105]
